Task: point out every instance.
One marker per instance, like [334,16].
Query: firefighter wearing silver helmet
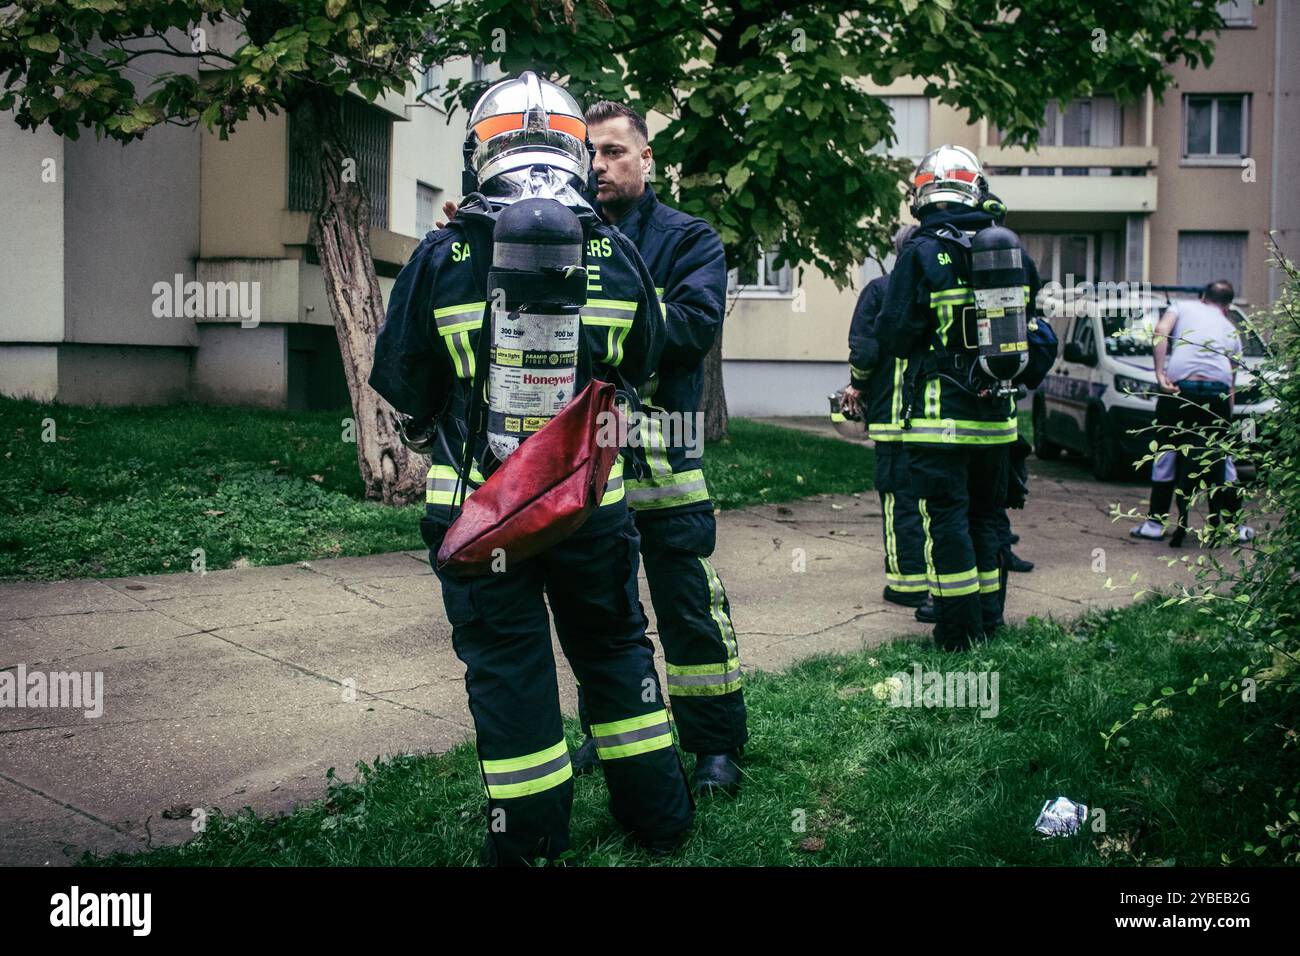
[956,421]
[527,145]
[526,138]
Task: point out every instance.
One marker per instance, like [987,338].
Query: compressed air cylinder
[998,280]
[537,287]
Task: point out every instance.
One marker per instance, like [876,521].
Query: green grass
[123,491]
[878,785]
[761,463]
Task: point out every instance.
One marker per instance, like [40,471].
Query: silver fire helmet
[948,174]
[525,122]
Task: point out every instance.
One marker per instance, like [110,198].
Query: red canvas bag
[541,494]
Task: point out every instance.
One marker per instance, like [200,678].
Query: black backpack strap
[478,231]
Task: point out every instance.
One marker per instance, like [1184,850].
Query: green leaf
[737,176]
[45,43]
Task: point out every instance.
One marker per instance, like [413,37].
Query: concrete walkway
[242,687]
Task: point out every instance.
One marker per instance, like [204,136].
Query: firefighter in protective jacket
[875,386]
[674,514]
[957,417]
[527,140]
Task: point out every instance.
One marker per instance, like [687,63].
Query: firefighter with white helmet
[959,303]
[527,149]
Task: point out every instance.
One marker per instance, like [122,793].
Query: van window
[1083,335]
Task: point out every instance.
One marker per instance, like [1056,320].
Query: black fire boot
[717,774]
[584,759]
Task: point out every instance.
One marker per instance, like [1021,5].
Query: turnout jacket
[923,323]
[879,377]
[425,351]
[685,257]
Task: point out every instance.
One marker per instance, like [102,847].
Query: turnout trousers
[963,489]
[500,630]
[905,566]
[693,616]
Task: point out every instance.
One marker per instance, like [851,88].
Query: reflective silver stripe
[600,312]
[996,259]
[700,680]
[449,484]
[955,585]
[632,736]
[525,255]
[614,484]
[667,491]
[468,314]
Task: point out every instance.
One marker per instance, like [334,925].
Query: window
[1072,258]
[911,127]
[431,78]
[426,207]
[1204,257]
[368,131]
[1214,127]
[1085,122]
[1237,13]
[477,71]
[763,276]
[1083,336]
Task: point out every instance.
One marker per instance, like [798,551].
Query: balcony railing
[1120,179]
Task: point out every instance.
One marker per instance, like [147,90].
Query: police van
[1099,399]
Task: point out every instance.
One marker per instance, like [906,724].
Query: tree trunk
[715,396]
[340,231]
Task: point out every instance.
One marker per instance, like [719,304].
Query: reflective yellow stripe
[632,736]
[929,543]
[703,680]
[896,400]
[990,582]
[529,774]
[461,309]
[891,550]
[716,609]
[951,431]
[957,583]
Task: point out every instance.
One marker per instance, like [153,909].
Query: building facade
[178,267]
[124,266]
[1179,191]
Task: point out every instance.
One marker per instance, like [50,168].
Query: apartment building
[1182,190]
[102,243]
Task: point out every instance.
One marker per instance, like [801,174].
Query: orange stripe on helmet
[568,124]
[494,125]
[922,179]
[964,175]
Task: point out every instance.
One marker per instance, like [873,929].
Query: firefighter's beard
[536,182]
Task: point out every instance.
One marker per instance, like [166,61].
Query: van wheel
[1102,448]
[1043,448]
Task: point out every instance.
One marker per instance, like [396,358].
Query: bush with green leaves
[1251,589]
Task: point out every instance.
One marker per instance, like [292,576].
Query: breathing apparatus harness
[994,339]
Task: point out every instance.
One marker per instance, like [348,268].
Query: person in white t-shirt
[1197,351]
